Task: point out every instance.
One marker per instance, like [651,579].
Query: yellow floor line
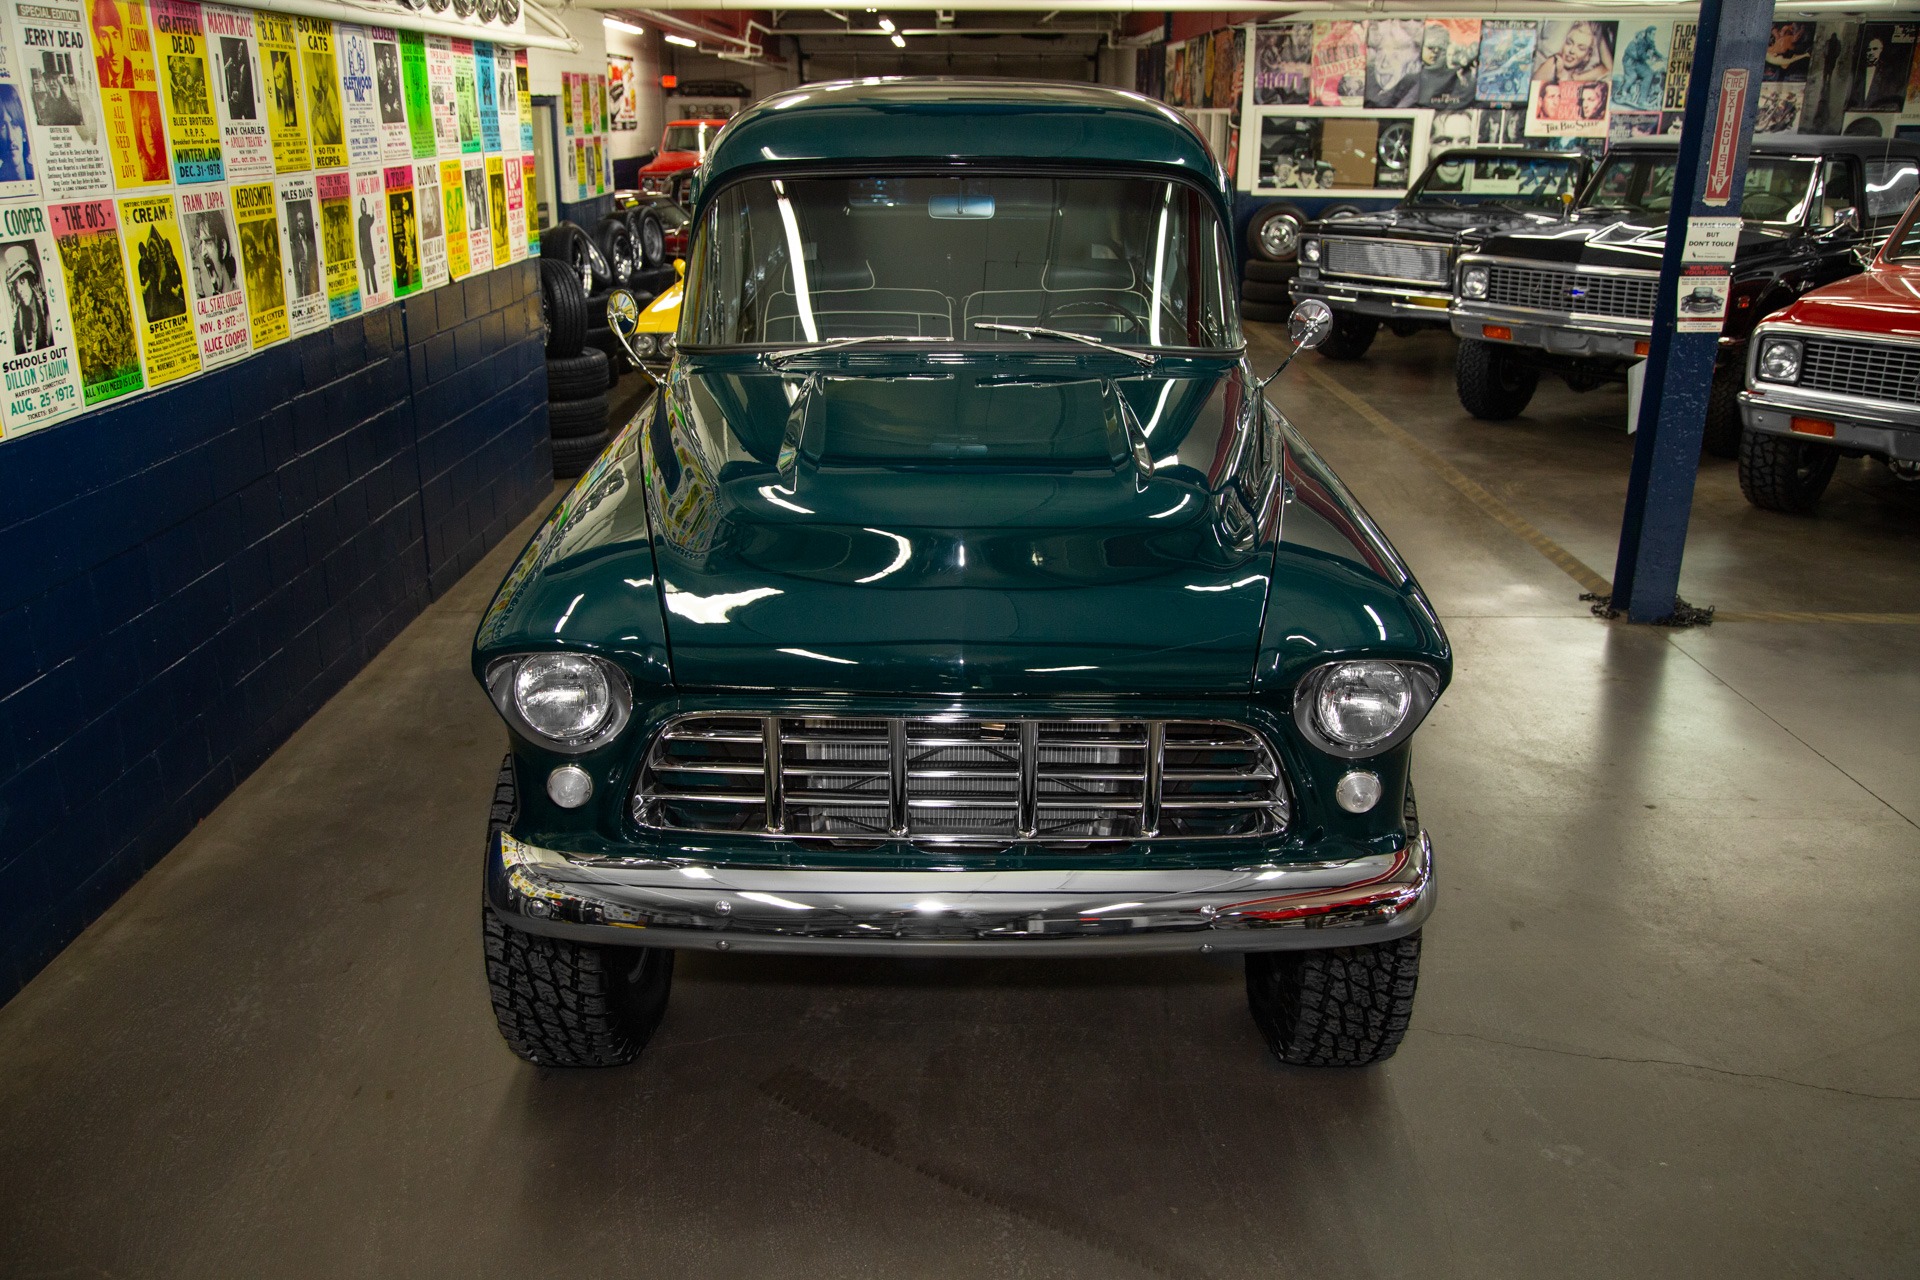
[1562,558]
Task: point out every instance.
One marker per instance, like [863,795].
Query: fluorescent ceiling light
[682,41]
[886,25]
[899,42]
[618,25]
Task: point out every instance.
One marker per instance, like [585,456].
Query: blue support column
[1732,44]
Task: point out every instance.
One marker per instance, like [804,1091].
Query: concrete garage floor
[1668,1026]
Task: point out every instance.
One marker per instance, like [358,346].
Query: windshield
[1776,188]
[1135,262]
[1471,179]
[688,137]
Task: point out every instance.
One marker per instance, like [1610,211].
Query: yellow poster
[193,132]
[129,92]
[322,75]
[253,209]
[497,210]
[159,274]
[453,193]
[286,110]
[532,200]
[336,243]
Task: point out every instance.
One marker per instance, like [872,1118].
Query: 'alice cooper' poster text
[40,367]
[306,277]
[87,235]
[160,288]
[213,266]
[239,94]
[129,92]
[256,214]
[193,131]
[336,243]
[68,135]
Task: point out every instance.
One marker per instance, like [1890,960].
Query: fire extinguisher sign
[1726,136]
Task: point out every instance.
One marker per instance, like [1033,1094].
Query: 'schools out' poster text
[40,368]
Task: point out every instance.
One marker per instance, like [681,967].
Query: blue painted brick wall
[188,576]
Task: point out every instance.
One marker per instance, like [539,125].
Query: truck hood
[1437,223]
[672,162]
[1599,238]
[1881,302]
[796,550]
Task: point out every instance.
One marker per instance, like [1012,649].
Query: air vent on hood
[961,779]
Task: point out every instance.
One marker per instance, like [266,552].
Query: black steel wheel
[569,243]
[1781,473]
[1491,383]
[563,308]
[649,237]
[1274,233]
[615,241]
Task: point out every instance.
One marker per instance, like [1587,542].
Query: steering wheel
[1087,309]
[1764,205]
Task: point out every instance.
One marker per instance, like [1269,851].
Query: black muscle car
[1577,298]
[1396,265]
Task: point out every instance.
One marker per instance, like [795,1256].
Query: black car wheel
[563,306]
[568,243]
[1344,1007]
[573,378]
[1722,435]
[649,237]
[569,1004]
[1351,336]
[1274,233]
[1779,473]
[615,242]
[1492,385]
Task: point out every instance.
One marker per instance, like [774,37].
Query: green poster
[413,72]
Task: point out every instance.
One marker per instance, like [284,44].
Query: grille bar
[1385,260]
[1879,371]
[1571,291]
[961,779]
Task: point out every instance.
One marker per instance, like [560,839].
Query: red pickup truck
[683,145]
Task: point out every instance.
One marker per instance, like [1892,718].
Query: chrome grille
[1592,293]
[1882,372]
[1386,261]
[961,779]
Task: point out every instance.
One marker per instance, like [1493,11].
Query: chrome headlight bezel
[643,344]
[1310,250]
[1423,683]
[1787,369]
[1475,281]
[501,681]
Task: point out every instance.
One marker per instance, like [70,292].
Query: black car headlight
[1363,707]
[1309,251]
[1779,360]
[566,702]
[1474,282]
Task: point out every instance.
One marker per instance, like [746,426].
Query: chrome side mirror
[623,317]
[1307,328]
[1847,221]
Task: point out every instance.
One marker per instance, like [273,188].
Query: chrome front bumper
[1886,429]
[1407,301]
[1565,335]
[647,903]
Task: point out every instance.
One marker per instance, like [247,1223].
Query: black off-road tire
[1269,272]
[1344,1007]
[574,419]
[1492,385]
[1722,435]
[575,454]
[568,1004]
[1265,312]
[564,307]
[578,377]
[1260,291]
[1350,338]
[1779,473]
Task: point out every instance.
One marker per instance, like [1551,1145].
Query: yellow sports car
[653,338]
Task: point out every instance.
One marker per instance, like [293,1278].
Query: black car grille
[1592,293]
[683,190]
[961,779]
[1381,260]
[1883,372]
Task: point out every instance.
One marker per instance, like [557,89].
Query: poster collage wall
[585,135]
[1555,83]
[182,184]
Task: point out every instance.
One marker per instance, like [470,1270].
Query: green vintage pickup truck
[959,594]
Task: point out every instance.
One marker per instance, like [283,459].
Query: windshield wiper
[1041,331]
[834,344]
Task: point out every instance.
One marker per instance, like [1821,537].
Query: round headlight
[643,343]
[1780,359]
[563,696]
[1310,250]
[1473,282]
[1360,704]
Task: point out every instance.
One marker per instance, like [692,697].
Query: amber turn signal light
[1641,348]
[1499,331]
[1813,427]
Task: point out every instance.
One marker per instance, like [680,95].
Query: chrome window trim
[1278,805]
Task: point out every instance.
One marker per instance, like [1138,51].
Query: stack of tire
[627,249]
[1273,247]
[577,376]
